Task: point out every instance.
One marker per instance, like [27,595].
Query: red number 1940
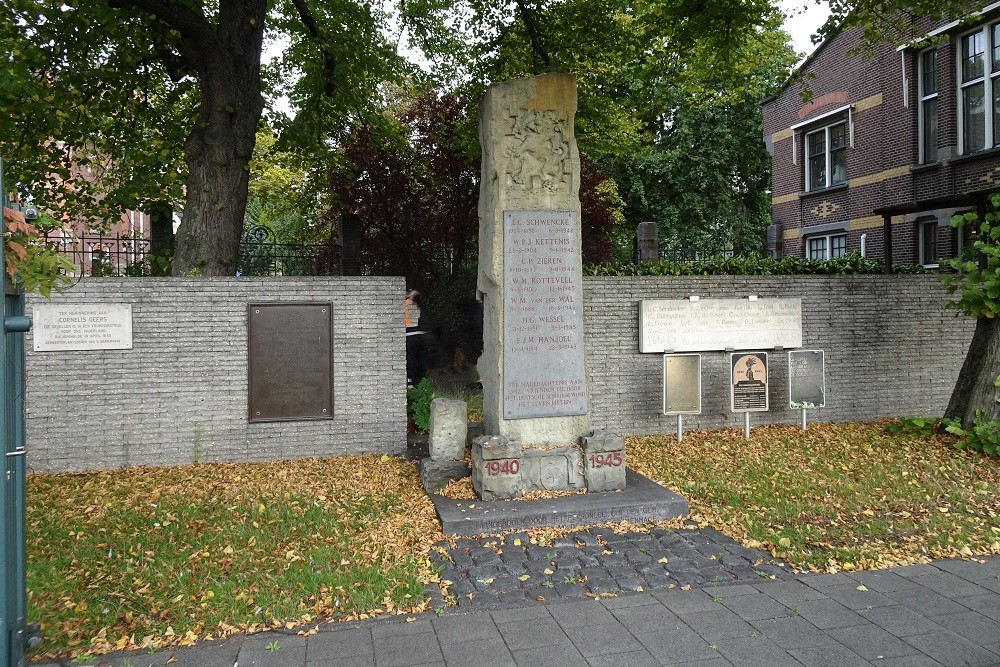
[505,467]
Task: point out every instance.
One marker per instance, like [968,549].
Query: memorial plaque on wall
[749,382]
[682,384]
[60,327]
[806,379]
[543,318]
[682,325]
[290,361]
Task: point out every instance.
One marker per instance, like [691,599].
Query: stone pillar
[604,461]
[530,280]
[647,242]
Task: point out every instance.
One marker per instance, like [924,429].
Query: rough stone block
[435,475]
[604,461]
[558,469]
[448,429]
[496,447]
[496,467]
[603,441]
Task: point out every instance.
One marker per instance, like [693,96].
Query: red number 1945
[611,459]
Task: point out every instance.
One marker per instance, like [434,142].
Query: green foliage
[418,403]
[926,426]
[977,283]
[982,436]
[750,265]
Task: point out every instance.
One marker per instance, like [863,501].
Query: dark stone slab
[641,501]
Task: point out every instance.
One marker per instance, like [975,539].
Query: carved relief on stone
[538,149]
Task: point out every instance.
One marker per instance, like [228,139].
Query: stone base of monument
[641,501]
[435,475]
[504,468]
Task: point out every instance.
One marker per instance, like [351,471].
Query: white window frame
[827,244]
[990,79]
[922,228]
[923,97]
[827,154]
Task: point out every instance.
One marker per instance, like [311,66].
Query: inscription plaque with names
[543,317]
[749,387]
[682,384]
[806,379]
[681,325]
[290,361]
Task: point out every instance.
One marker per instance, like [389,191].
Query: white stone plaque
[82,326]
[543,316]
[681,325]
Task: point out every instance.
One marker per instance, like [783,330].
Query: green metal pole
[12,540]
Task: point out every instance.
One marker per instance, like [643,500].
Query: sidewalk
[947,613]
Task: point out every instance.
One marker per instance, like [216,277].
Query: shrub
[418,404]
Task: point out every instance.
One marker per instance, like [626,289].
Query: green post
[12,539]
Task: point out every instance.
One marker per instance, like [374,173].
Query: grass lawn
[148,556]
[152,556]
[837,496]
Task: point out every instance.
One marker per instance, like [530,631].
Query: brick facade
[180,394]
[878,97]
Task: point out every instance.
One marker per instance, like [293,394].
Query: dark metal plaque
[682,384]
[290,361]
[806,379]
[749,381]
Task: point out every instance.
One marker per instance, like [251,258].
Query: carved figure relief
[539,151]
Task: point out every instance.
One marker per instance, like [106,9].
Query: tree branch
[329,59]
[534,36]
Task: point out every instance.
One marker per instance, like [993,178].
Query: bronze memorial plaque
[290,361]
[682,384]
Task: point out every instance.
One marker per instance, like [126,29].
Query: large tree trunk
[219,148]
[974,389]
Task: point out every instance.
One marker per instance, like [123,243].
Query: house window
[927,243]
[928,107]
[979,85]
[826,247]
[826,156]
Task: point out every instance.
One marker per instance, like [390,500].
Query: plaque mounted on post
[806,379]
[682,384]
[749,386]
[290,361]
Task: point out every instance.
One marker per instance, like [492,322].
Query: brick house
[888,146]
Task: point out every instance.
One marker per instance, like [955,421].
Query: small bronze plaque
[291,361]
[682,384]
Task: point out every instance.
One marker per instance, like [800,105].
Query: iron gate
[12,592]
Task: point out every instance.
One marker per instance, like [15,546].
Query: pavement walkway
[945,613]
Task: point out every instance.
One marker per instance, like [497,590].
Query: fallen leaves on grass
[148,557]
[836,497]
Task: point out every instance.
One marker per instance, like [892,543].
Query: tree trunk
[219,148]
[974,389]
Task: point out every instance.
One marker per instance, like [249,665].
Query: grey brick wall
[892,348]
[181,393]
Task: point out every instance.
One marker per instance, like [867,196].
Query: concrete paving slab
[793,633]
[953,650]
[603,639]
[640,658]
[755,652]
[829,656]
[564,655]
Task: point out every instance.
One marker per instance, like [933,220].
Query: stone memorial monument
[530,282]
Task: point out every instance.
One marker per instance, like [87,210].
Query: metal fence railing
[125,255]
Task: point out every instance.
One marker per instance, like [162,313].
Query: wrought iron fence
[125,255]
